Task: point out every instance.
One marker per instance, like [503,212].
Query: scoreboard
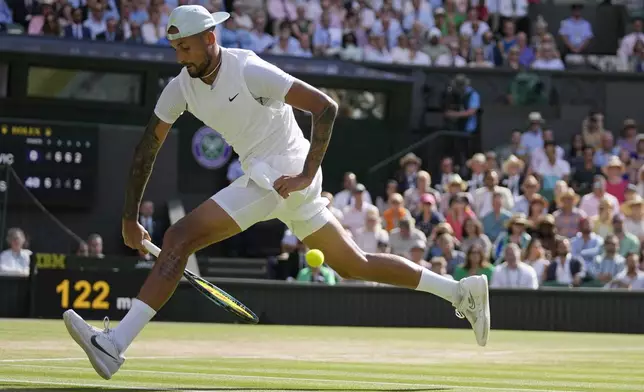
[56,162]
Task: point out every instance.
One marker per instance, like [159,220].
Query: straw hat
[568,193]
[628,206]
[410,158]
[614,161]
[629,123]
[513,160]
[517,219]
[478,157]
[541,200]
[546,219]
[455,179]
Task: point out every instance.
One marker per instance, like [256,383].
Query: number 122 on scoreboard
[78,294]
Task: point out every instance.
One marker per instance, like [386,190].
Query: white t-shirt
[345,198]
[266,83]
[447,60]
[368,240]
[355,219]
[590,203]
[553,65]
[14,264]
[634,227]
[552,173]
[539,267]
[522,277]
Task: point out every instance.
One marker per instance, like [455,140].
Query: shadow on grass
[233,389]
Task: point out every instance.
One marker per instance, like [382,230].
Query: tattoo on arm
[144,156]
[321,129]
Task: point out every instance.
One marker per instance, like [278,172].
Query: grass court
[38,355]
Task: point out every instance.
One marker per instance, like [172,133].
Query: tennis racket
[212,292]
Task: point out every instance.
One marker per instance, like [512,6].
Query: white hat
[193,19]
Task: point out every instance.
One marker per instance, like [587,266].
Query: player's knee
[175,238]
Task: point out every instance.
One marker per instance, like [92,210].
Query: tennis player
[250,103]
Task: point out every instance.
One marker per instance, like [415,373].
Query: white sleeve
[264,80]
[171,103]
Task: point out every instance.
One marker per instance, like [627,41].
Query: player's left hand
[285,185]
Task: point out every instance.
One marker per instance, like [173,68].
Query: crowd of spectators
[448,33]
[530,213]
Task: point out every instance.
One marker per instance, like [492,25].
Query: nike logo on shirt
[98,346]
[233,98]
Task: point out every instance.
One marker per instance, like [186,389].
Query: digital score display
[56,162]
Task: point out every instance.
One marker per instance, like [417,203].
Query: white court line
[324,380]
[74,384]
[81,358]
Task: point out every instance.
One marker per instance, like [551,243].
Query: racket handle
[155,250]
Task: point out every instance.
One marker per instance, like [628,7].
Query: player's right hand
[133,235]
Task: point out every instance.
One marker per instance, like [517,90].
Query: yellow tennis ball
[314,258]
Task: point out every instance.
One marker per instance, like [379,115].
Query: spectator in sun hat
[590,202]
[434,48]
[345,196]
[428,217]
[627,242]
[477,165]
[532,138]
[417,254]
[628,140]
[355,214]
[631,193]
[546,231]
[614,170]
[586,244]
[404,237]
[634,212]
[455,185]
[516,233]
[409,167]
[513,174]
[568,216]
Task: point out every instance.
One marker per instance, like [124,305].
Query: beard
[198,71]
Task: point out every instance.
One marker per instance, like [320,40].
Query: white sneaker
[475,306]
[98,345]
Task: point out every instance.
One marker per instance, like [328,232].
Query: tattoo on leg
[171,267]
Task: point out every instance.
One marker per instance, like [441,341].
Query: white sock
[433,283]
[132,324]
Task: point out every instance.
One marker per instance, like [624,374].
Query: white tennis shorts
[304,212]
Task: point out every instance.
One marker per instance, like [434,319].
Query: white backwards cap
[193,19]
